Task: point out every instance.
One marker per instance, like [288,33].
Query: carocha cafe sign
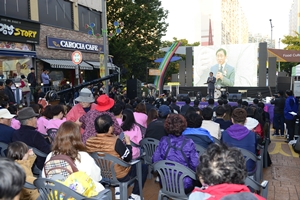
[57,43]
[17,30]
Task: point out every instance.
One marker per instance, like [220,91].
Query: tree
[144,25]
[293,43]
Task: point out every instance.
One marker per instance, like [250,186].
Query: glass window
[87,16]
[57,13]
[15,8]
[14,67]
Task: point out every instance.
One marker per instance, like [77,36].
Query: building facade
[294,18]
[43,34]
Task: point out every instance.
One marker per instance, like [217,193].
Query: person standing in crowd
[25,90]
[278,119]
[185,107]
[5,122]
[225,74]
[8,91]
[211,80]
[1,86]
[291,105]
[45,80]
[32,80]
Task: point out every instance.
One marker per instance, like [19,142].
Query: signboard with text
[57,43]
[17,30]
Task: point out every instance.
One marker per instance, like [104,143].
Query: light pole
[271,45]
[105,45]
[279,48]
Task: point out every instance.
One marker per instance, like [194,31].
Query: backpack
[143,129]
[296,146]
[177,149]
[61,165]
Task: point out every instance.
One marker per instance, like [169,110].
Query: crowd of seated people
[96,125]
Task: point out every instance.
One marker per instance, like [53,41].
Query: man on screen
[211,85]
[225,74]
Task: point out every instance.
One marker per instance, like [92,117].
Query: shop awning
[18,53]
[97,64]
[67,64]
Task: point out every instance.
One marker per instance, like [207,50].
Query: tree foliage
[293,43]
[144,25]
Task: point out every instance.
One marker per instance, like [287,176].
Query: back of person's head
[193,120]
[57,109]
[187,100]
[48,112]
[250,111]
[127,100]
[289,92]
[240,195]
[190,110]
[103,123]
[174,100]
[128,120]
[221,164]
[261,105]
[164,111]
[220,111]
[36,108]
[207,113]
[12,178]
[211,102]
[281,93]
[117,109]
[12,109]
[245,103]
[17,150]
[255,101]
[225,102]
[152,114]
[196,103]
[1,83]
[141,108]
[220,102]
[175,124]
[68,140]
[8,81]
[239,116]
[22,76]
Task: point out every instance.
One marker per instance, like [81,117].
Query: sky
[182,18]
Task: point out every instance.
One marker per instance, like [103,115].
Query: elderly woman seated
[222,171]
[178,148]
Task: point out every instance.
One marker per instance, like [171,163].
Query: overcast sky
[181,17]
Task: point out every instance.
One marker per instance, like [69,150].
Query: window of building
[87,16]
[56,12]
[15,8]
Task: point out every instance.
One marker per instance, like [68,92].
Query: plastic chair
[37,152]
[52,133]
[216,140]
[3,149]
[200,149]
[257,173]
[107,163]
[263,187]
[29,186]
[171,177]
[149,146]
[50,189]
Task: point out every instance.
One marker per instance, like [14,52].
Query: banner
[232,65]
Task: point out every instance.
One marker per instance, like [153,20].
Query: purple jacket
[188,149]
[88,124]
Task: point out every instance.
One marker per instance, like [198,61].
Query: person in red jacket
[222,171]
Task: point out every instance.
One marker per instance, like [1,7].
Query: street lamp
[105,45]
[279,48]
[271,33]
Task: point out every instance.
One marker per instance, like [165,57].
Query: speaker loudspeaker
[134,88]
[234,96]
[181,97]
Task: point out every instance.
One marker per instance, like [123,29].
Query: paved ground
[283,175]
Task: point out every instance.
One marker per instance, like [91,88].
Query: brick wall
[43,52]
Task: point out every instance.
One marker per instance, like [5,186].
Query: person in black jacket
[174,105]
[8,91]
[278,119]
[185,107]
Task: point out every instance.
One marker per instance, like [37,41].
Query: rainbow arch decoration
[159,80]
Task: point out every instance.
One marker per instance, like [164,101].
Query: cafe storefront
[18,40]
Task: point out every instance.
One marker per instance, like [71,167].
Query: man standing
[225,74]
[8,91]
[211,85]
[291,105]
[278,120]
[45,80]
[32,80]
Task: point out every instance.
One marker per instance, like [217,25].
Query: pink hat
[104,103]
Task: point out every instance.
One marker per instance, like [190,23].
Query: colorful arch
[159,80]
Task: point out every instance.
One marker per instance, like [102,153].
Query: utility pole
[271,45]
[279,48]
[105,44]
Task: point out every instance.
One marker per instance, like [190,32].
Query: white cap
[4,113]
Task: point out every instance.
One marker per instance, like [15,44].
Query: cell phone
[121,136]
